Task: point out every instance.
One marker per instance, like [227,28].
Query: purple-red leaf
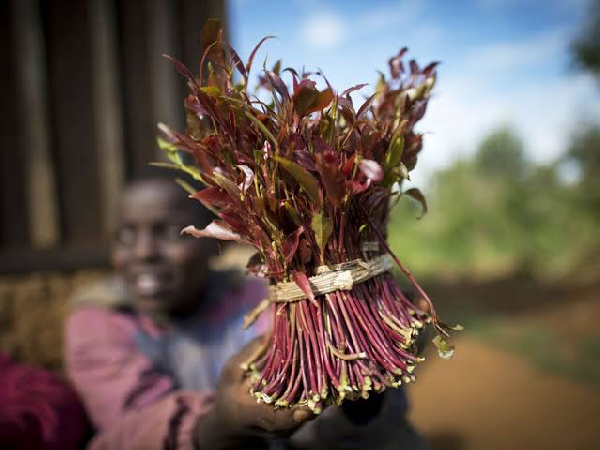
[305,251]
[428,70]
[278,84]
[237,61]
[418,196]
[303,99]
[213,198]
[253,54]
[301,280]
[354,88]
[414,67]
[365,106]
[333,180]
[290,246]
[358,188]
[180,67]
[396,66]
[324,98]
[307,99]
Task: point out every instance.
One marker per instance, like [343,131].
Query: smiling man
[155,354]
[165,272]
[146,350]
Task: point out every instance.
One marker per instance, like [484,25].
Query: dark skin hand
[237,420]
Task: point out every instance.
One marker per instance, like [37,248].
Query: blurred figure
[153,353]
[38,410]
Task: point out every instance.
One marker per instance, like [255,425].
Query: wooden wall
[83,85]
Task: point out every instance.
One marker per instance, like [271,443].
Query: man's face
[163,271]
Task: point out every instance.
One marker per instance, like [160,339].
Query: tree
[500,155]
[586,48]
[585,151]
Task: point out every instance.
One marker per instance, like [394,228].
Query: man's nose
[146,247]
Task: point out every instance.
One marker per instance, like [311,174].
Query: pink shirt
[131,403]
[135,405]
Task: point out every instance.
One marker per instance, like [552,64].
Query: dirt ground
[526,374]
[487,398]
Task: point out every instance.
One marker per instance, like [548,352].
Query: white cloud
[511,55]
[377,18]
[494,87]
[323,30]
[544,113]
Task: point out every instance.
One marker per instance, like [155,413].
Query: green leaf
[322,227]
[170,149]
[445,350]
[186,186]
[262,127]
[163,144]
[392,158]
[229,186]
[175,157]
[213,91]
[166,165]
[302,176]
[293,213]
[395,150]
[190,170]
[403,172]
[380,86]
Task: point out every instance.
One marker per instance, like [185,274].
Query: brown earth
[486,398]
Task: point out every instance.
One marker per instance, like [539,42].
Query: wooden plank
[70,69]
[108,119]
[14,213]
[33,119]
[167,96]
[62,259]
[135,28]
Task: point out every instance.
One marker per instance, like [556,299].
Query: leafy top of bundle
[283,175]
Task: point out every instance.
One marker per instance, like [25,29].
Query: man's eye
[126,236]
[169,232]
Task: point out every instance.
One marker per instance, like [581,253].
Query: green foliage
[322,227]
[584,151]
[586,48]
[501,155]
[497,213]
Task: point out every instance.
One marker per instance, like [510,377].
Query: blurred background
[511,169]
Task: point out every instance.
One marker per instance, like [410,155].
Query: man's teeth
[147,283]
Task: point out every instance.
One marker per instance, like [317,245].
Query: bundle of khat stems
[308,179]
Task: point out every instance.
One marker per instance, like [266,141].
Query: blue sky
[504,62]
